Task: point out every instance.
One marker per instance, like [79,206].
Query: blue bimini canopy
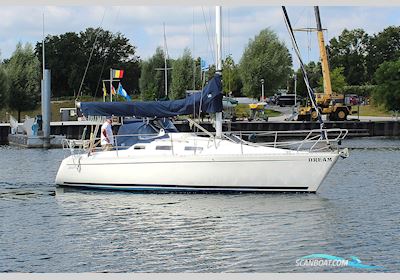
[135,131]
[209,101]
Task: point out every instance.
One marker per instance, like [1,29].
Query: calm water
[355,213]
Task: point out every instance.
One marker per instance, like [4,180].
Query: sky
[189,26]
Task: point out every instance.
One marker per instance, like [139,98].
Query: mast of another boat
[218,30]
[165,64]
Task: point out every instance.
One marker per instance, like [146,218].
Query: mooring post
[46,107]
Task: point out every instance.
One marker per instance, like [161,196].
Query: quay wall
[4,131]
[74,130]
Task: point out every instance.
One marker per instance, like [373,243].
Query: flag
[104,90]
[113,90]
[122,92]
[118,74]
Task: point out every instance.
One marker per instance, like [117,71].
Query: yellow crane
[329,103]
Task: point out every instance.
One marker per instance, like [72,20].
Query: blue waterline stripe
[175,187]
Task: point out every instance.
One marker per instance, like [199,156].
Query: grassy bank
[56,105]
[55,111]
[373,111]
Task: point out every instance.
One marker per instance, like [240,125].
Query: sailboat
[150,155]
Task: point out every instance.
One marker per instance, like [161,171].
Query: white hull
[275,172]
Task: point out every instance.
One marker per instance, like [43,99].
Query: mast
[295,89]
[165,63]
[218,66]
[111,85]
[165,69]
[43,49]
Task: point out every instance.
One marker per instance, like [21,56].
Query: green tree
[4,86]
[197,73]
[23,70]
[387,90]
[231,77]
[384,46]
[265,57]
[152,81]
[314,74]
[209,74]
[182,75]
[349,51]
[109,51]
[338,81]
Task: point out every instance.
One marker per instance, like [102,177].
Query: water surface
[355,213]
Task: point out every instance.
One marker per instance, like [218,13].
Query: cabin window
[139,147]
[189,148]
[164,148]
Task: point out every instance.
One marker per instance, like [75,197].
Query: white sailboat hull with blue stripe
[182,162]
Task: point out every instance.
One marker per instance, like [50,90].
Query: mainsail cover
[209,100]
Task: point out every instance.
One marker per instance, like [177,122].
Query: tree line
[360,63]
[265,57]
